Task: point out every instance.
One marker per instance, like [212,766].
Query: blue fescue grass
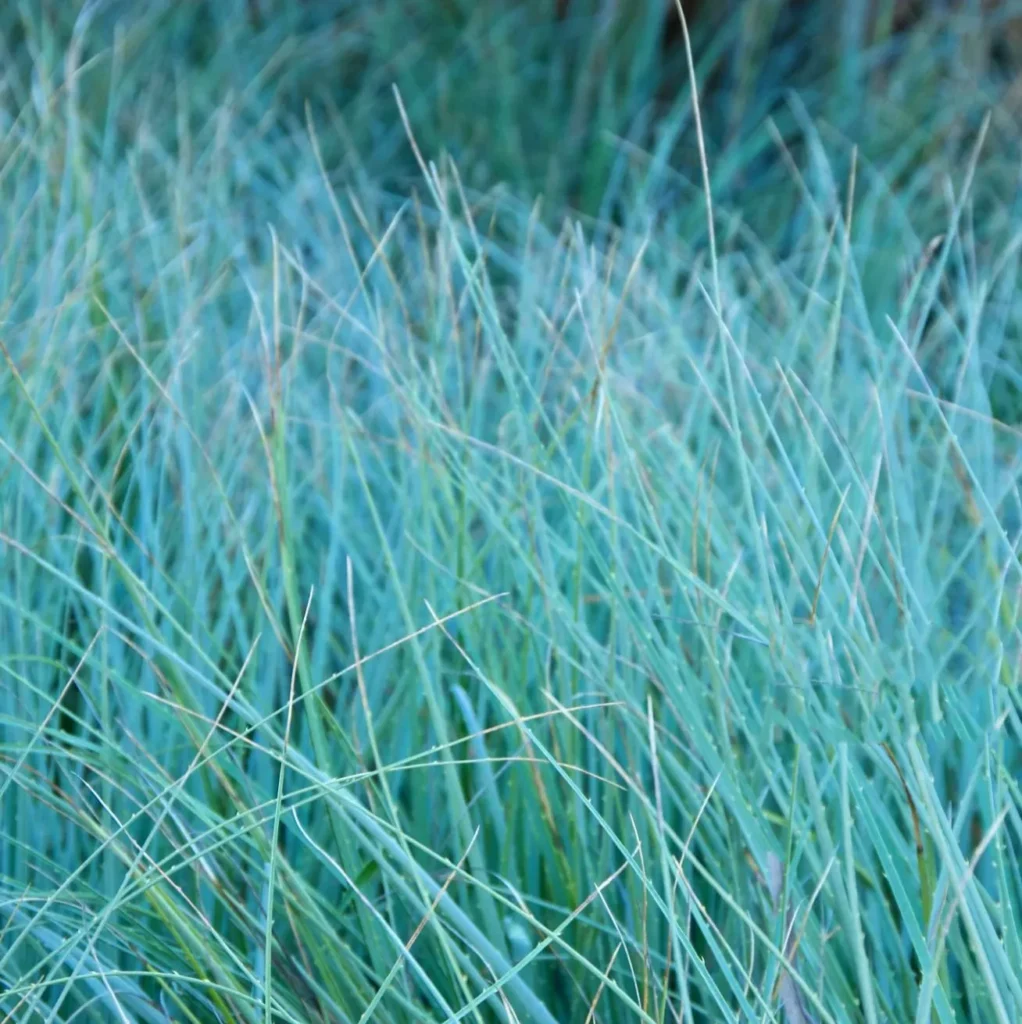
[419,604]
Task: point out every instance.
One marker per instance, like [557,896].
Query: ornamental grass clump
[422,601]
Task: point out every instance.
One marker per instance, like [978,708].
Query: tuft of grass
[420,603]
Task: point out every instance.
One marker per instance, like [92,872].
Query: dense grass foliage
[421,603]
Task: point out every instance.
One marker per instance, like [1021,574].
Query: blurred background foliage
[566,98]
